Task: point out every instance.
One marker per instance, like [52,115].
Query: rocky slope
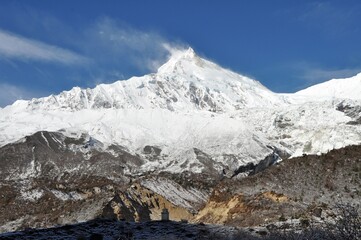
[42,203]
[290,195]
[295,190]
[302,188]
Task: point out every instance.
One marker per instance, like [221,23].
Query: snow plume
[116,43]
[17,47]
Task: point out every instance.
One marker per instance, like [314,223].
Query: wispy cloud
[117,44]
[20,48]
[105,51]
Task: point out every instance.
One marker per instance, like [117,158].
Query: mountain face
[192,122]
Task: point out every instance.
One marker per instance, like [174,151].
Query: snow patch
[46,140]
[32,195]
[74,196]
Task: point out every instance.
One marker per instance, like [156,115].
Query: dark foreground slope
[111,229]
[347,226]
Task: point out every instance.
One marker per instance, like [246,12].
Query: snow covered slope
[194,115]
[347,88]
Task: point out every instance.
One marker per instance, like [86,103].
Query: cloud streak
[16,47]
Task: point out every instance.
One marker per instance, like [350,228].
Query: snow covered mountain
[192,115]
[186,82]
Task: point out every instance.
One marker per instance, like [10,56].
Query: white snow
[32,195]
[346,88]
[46,140]
[67,196]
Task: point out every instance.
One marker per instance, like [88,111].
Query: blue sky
[50,46]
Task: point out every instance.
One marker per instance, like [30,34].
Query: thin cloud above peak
[105,51]
[117,44]
[13,46]
[117,47]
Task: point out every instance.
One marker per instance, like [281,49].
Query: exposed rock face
[351,110]
[251,168]
[152,150]
[138,203]
[245,210]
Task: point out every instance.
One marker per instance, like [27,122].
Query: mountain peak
[177,56]
[189,52]
[182,52]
